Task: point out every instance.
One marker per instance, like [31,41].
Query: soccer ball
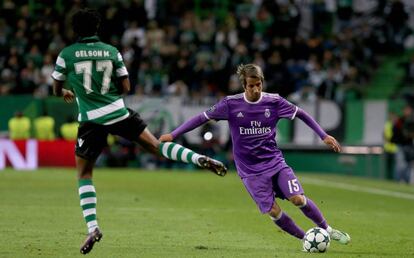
[316,240]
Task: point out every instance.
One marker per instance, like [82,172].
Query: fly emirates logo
[255,128]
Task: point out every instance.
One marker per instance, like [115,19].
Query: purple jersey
[253,130]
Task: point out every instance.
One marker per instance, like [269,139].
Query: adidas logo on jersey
[240,114]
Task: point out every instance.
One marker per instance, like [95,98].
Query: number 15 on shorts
[293,185]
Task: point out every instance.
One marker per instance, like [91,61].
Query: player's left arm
[309,121]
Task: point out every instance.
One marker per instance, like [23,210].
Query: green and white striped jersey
[91,68]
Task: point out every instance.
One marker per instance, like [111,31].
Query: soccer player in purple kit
[252,118]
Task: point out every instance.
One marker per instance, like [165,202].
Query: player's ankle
[329,229]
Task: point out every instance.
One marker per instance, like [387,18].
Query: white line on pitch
[354,188]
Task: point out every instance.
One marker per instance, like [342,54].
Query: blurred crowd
[399,143]
[307,49]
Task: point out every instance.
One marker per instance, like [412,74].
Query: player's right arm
[59,91]
[216,112]
[332,142]
[124,85]
[288,110]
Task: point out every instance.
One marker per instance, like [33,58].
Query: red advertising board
[31,154]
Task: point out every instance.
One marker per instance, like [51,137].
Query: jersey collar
[251,102]
[89,39]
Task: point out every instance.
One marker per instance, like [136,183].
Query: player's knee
[275,212]
[297,200]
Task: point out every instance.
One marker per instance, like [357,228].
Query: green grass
[186,214]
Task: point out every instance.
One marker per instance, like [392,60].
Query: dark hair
[85,22]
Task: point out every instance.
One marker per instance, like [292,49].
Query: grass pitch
[194,214]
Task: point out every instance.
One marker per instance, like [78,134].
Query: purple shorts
[266,187]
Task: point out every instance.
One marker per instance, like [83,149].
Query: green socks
[174,151]
[87,197]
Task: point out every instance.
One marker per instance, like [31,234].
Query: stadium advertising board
[31,154]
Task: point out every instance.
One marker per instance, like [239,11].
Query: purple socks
[288,225]
[312,211]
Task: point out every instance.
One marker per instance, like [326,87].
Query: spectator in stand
[44,127]
[245,29]
[34,56]
[344,15]
[19,127]
[408,72]
[45,81]
[7,81]
[397,28]
[390,148]
[69,130]
[134,35]
[404,143]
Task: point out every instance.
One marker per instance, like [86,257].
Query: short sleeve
[286,109]
[120,68]
[60,71]
[218,112]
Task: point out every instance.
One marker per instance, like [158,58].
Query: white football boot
[341,237]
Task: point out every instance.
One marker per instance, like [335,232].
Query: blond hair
[249,70]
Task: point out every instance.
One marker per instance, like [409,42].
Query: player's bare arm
[124,85]
[59,91]
[333,143]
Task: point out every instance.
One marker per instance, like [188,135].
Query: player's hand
[166,138]
[68,96]
[333,143]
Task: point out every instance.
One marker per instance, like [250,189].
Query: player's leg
[282,220]
[309,208]
[87,195]
[292,189]
[91,140]
[135,129]
[177,152]
[261,190]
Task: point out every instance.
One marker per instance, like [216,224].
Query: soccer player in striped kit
[252,117]
[97,76]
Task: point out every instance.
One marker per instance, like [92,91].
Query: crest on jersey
[267,112]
